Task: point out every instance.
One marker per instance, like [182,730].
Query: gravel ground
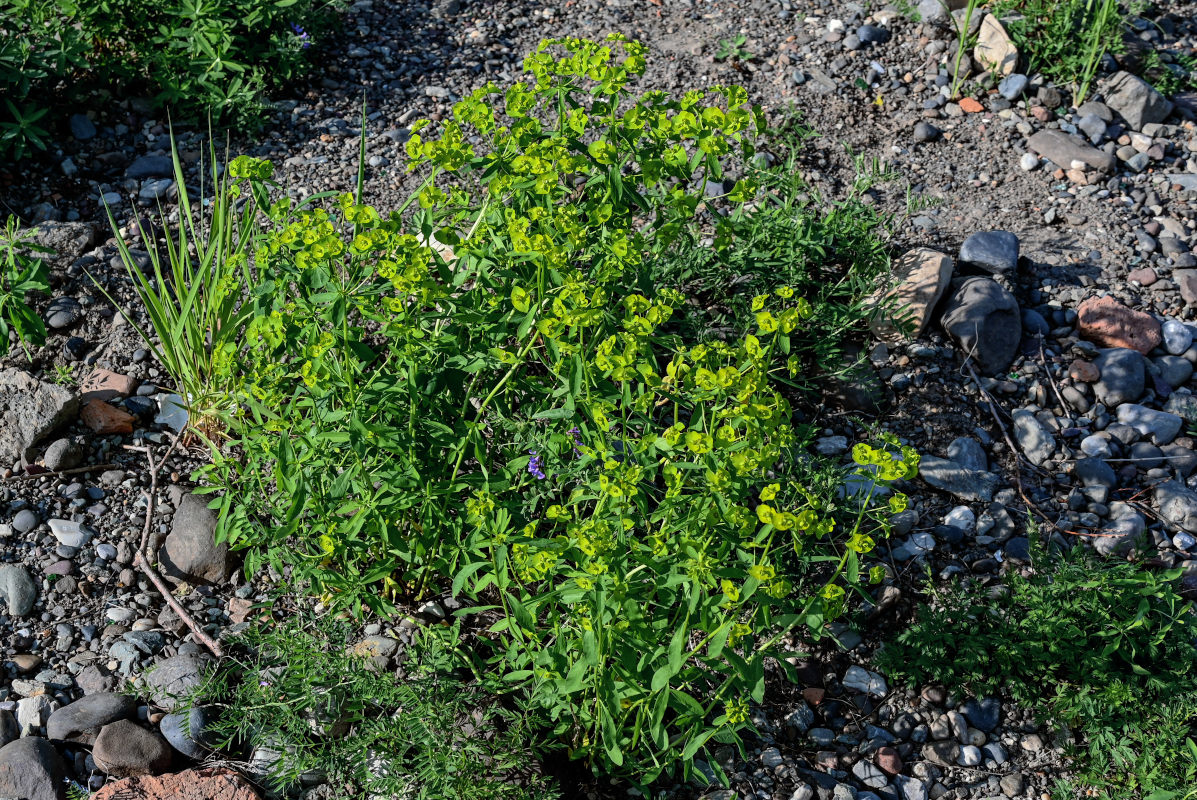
[1077,325]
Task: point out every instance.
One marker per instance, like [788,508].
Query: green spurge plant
[493,400]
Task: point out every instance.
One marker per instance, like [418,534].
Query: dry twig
[143,562]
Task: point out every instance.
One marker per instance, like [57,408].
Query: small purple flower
[304,39]
[534,466]
[576,433]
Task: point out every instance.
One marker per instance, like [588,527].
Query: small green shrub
[1170,77]
[1048,32]
[432,734]
[494,399]
[1105,648]
[734,49]
[21,272]
[198,58]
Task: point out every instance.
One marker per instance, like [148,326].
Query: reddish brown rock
[103,418]
[889,761]
[813,695]
[1110,324]
[1144,277]
[193,784]
[1083,371]
[239,609]
[970,106]
[104,384]
[1040,113]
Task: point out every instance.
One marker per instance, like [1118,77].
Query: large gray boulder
[190,552]
[1064,150]
[82,720]
[984,320]
[31,769]
[30,410]
[1136,100]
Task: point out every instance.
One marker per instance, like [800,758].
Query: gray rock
[1123,531]
[1013,784]
[1177,504]
[984,714]
[970,756]
[151,167]
[30,410]
[869,774]
[68,240]
[920,278]
[1095,472]
[32,713]
[172,412]
[18,589]
[925,132]
[1161,426]
[82,128]
[968,452]
[1012,86]
[71,534]
[1063,150]
[984,320]
[172,679]
[1093,126]
[1123,376]
[10,730]
[1178,337]
[64,454]
[967,484]
[81,720]
[63,312]
[1174,370]
[187,733]
[1035,440]
[873,34]
[25,521]
[31,769]
[911,788]
[862,680]
[124,749]
[1136,100]
[992,251]
[190,552]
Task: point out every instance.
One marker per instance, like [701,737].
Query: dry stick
[1047,370]
[143,562]
[989,402]
[31,475]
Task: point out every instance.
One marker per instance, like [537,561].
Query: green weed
[433,733]
[1106,648]
[21,272]
[1047,32]
[733,49]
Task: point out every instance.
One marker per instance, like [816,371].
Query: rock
[888,760]
[31,769]
[1174,370]
[124,749]
[150,167]
[172,412]
[970,105]
[106,419]
[1122,532]
[869,775]
[71,534]
[942,753]
[190,552]
[1012,784]
[1186,281]
[921,277]
[82,128]
[911,788]
[1177,504]
[873,34]
[1110,324]
[1035,440]
[1123,376]
[64,454]
[862,680]
[1178,337]
[1095,472]
[970,756]
[992,251]
[1063,150]
[1012,86]
[63,312]
[18,589]
[81,720]
[30,410]
[926,132]
[1161,426]
[186,732]
[1136,100]
[1028,162]
[68,240]
[967,484]
[192,784]
[994,50]
[968,452]
[172,679]
[103,384]
[983,319]
[984,714]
